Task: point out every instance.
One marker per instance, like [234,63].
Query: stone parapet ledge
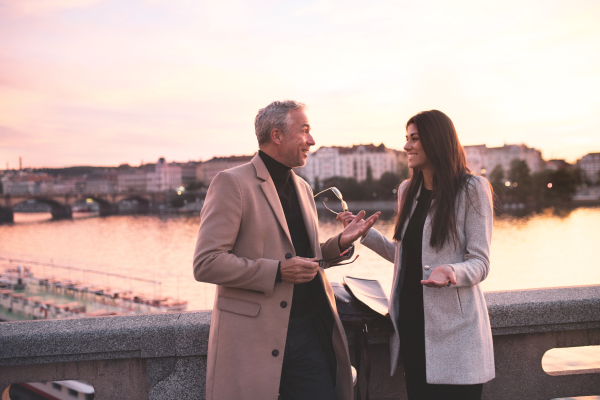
[98,338]
[544,310]
[163,356]
[154,356]
[534,310]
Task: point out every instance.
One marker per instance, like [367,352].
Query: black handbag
[362,307]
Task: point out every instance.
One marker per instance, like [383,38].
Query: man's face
[297,141]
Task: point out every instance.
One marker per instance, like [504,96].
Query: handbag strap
[367,356]
[362,350]
[357,358]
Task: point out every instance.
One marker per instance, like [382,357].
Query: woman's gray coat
[458,337]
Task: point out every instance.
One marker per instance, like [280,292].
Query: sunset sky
[93,82]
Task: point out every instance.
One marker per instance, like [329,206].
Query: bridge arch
[143,203]
[106,207]
[57,209]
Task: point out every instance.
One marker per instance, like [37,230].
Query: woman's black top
[411,295]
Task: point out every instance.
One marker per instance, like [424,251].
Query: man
[274,325]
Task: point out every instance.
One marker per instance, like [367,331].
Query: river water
[541,250]
[547,249]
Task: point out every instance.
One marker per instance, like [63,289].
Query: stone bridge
[61,204]
[163,356]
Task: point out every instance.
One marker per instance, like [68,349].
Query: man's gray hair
[275,115]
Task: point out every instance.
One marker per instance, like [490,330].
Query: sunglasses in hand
[337,194]
[321,262]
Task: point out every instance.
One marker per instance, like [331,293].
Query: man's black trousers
[305,374]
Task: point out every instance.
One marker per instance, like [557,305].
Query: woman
[440,253]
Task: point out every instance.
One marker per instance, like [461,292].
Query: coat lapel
[268,188]
[306,205]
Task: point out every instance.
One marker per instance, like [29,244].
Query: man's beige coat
[243,237]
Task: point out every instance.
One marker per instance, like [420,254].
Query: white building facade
[482,159]
[349,162]
[590,165]
[134,181]
[165,177]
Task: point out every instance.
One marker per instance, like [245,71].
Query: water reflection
[25,218]
[561,212]
[550,248]
[544,249]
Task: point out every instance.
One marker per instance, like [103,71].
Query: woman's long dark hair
[440,143]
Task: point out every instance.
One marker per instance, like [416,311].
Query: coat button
[283,304]
[288,256]
[275,353]
[426,267]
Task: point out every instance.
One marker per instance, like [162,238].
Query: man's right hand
[298,270]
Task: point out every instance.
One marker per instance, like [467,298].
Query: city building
[477,159]
[71,185]
[557,164]
[482,159]
[188,171]
[132,181]
[101,182]
[351,162]
[206,171]
[4,181]
[22,184]
[165,177]
[590,165]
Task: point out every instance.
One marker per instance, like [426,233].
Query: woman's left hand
[440,276]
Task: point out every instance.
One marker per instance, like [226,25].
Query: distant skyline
[315,148]
[107,82]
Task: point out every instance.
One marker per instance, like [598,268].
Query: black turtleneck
[288,197]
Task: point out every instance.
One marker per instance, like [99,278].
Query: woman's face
[414,149]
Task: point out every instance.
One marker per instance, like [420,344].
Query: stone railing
[163,356]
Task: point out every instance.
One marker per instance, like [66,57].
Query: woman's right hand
[345,218]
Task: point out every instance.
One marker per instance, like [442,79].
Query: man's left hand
[357,228]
